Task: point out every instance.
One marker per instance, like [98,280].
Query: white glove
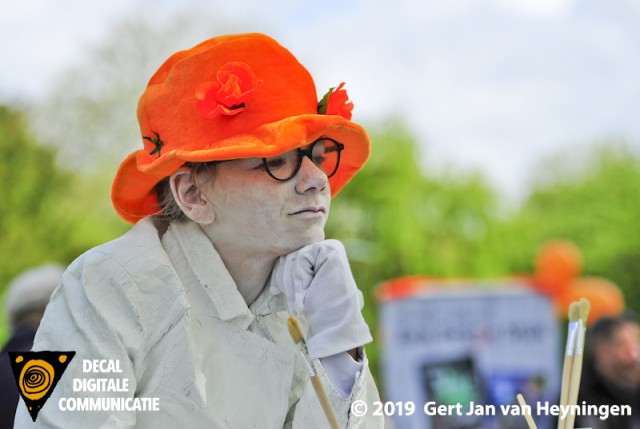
[317,282]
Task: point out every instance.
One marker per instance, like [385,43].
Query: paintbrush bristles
[576,370]
[294,329]
[585,306]
[574,311]
[572,337]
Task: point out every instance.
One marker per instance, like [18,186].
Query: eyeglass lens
[325,154]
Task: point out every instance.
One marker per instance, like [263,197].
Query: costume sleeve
[342,370]
[309,413]
[91,315]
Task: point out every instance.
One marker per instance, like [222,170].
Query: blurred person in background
[611,375]
[229,197]
[27,296]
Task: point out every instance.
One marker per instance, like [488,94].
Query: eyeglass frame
[308,153]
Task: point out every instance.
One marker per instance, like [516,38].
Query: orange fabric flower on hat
[336,102]
[227,96]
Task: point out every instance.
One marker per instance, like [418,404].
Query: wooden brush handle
[324,401]
[574,389]
[523,404]
[567,370]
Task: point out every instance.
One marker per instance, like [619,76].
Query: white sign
[469,348]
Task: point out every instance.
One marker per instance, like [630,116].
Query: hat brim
[133,193]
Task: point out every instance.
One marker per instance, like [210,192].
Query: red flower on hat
[336,102]
[227,96]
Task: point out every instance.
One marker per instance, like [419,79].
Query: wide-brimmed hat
[230,97]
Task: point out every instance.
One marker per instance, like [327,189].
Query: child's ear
[189,197]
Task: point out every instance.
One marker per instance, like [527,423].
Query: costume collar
[209,270]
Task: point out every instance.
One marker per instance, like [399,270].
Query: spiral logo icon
[36,379]
[36,375]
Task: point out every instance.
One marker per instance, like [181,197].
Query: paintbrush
[576,369]
[572,336]
[525,411]
[298,339]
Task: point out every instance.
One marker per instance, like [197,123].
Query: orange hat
[236,96]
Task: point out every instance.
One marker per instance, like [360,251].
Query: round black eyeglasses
[324,153]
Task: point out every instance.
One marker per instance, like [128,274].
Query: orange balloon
[605,297]
[557,263]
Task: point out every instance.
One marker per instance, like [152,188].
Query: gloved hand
[317,282]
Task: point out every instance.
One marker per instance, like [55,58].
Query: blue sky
[492,85]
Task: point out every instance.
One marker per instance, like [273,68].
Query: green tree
[591,199]
[398,219]
[46,214]
[32,186]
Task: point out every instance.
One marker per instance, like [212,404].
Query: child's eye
[319,160]
[275,163]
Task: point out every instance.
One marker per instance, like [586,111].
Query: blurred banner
[458,342]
